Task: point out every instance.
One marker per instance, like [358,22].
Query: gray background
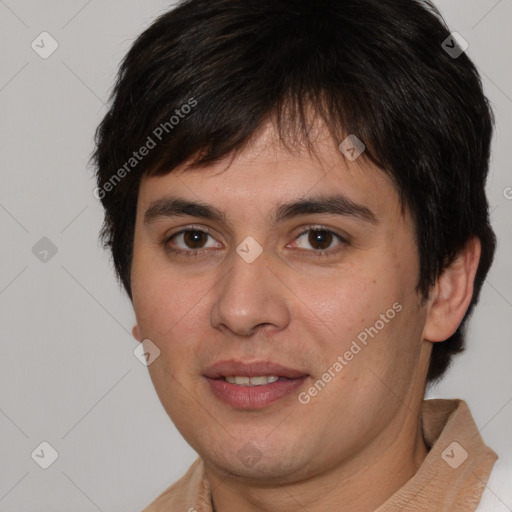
[67,372]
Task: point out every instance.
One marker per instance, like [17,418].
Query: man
[295,204]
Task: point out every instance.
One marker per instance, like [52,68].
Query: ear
[452,294]
[136,333]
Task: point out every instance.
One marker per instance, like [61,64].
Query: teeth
[252,381]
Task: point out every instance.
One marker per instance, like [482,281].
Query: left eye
[320,239]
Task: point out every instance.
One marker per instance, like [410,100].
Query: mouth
[232,368]
[252,385]
[258,380]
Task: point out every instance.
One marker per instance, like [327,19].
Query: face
[303,268]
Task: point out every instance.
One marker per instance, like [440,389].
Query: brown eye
[320,239]
[190,242]
[195,239]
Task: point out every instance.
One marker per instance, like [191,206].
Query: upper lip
[232,368]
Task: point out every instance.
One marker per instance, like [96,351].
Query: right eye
[189,241]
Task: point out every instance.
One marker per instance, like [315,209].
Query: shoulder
[497,495]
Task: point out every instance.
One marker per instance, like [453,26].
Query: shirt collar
[457,467]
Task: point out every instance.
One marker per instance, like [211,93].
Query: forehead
[268,172]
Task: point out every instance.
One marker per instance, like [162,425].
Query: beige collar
[452,478]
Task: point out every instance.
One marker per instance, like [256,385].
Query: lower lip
[253,397]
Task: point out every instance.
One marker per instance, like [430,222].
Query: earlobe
[452,294]
[136,333]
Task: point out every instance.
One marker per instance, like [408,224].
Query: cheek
[160,298]
[152,308]
[350,305]
[374,326]
[167,313]
[173,313]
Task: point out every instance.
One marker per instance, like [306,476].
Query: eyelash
[196,252]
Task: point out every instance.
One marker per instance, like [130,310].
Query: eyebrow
[332,204]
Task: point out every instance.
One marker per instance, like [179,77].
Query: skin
[358,440]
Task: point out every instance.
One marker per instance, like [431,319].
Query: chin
[256,460]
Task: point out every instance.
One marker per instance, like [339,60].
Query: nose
[250,297]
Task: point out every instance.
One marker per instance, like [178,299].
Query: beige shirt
[451,479]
